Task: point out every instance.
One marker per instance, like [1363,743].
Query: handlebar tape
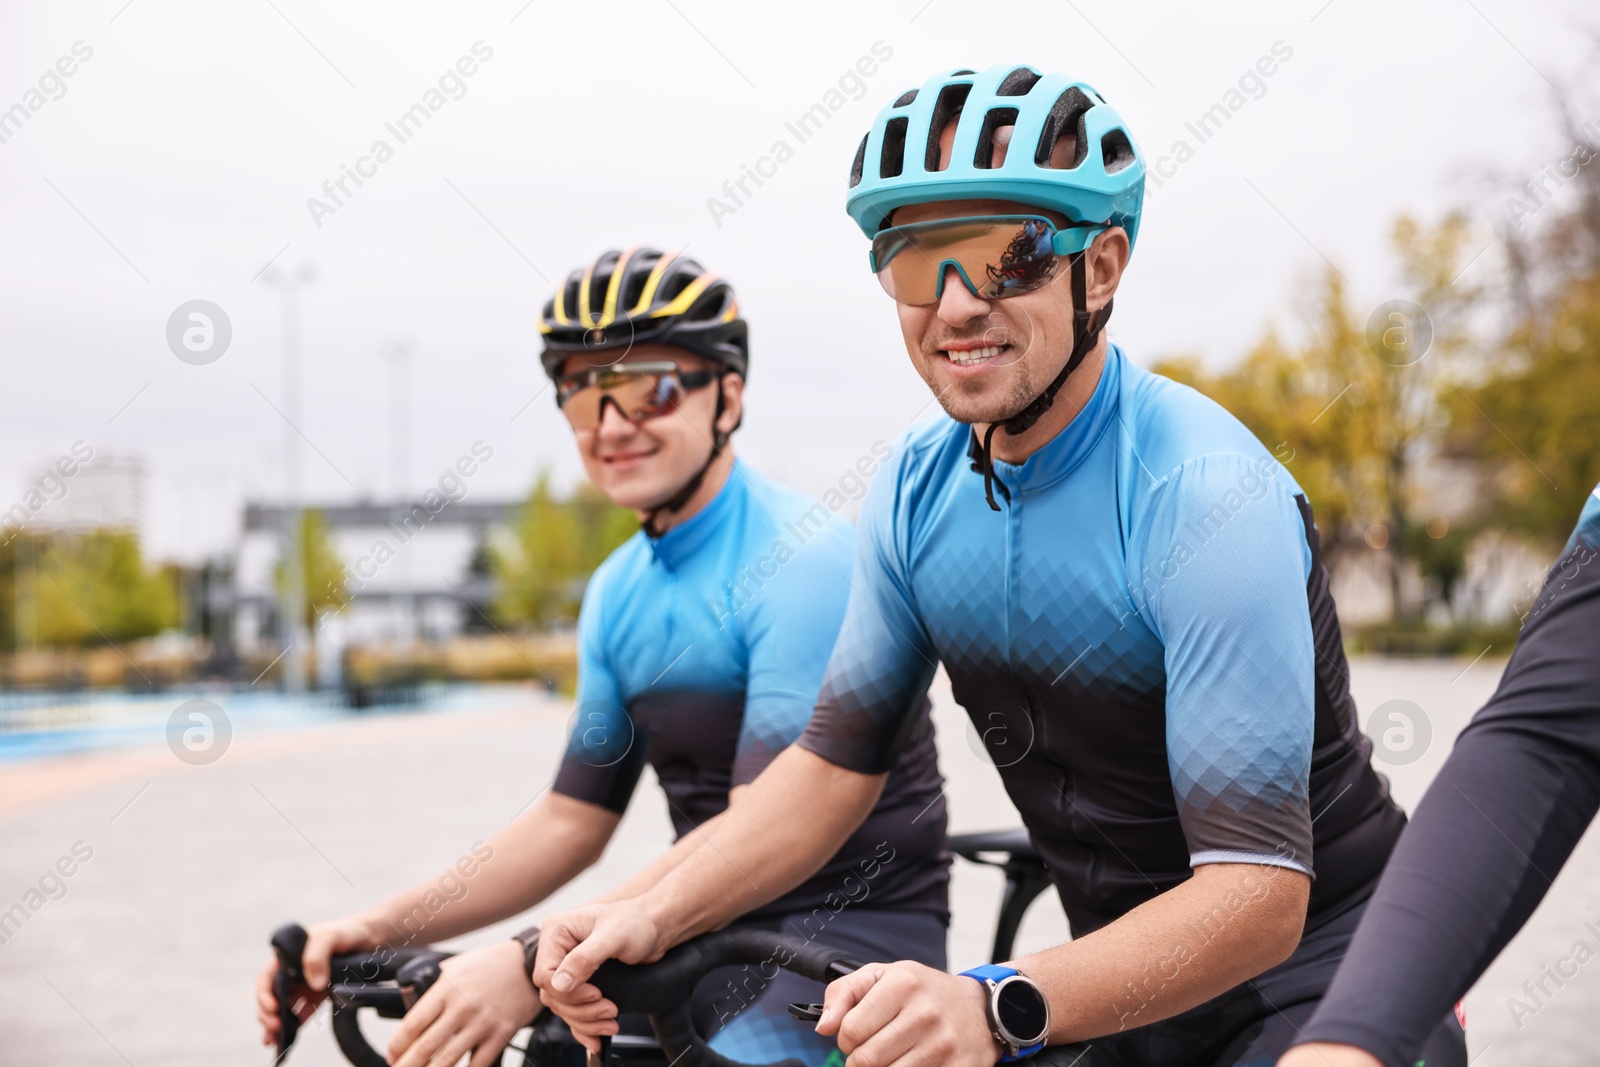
[662,989]
[658,987]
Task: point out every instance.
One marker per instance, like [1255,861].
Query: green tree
[1533,422]
[557,544]
[321,567]
[82,589]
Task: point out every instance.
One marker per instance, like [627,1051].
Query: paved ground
[150,955]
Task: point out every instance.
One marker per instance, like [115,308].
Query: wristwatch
[529,940]
[1019,1015]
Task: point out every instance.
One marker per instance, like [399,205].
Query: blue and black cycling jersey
[1506,810]
[701,653]
[1143,637]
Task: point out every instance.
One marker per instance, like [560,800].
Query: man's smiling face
[986,360]
[641,465]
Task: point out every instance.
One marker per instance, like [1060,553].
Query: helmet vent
[997,117]
[892,161]
[1066,117]
[1018,83]
[859,165]
[708,306]
[959,73]
[676,283]
[633,286]
[948,106]
[1116,151]
[905,98]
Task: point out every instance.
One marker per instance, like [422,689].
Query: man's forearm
[529,859]
[1227,924]
[653,872]
[788,823]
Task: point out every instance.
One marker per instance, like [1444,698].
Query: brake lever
[416,978]
[289,942]
[810,1013]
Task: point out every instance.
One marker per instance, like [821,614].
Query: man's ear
[732,402]
[1106,260]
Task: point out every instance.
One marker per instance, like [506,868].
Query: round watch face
[1021,1011]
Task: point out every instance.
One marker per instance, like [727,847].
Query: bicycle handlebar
[660,990]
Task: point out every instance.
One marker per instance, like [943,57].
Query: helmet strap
[719,441]
[1086,328]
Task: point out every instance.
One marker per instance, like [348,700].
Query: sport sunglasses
[639,391]
[996,256]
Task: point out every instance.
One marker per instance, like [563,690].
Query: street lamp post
[398,354]
[292,594]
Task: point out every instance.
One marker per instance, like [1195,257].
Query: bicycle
[653,999]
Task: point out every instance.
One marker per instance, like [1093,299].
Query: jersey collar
[1063,452]
[675,546]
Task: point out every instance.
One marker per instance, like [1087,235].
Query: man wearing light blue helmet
[1126,591]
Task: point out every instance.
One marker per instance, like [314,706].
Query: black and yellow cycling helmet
[640,296]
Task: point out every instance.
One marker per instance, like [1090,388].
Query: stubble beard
[996,403]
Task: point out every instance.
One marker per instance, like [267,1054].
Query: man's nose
[958,306]
[613,424]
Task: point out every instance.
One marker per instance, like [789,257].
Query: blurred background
[292,536]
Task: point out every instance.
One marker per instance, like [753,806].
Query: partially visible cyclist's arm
[792,818]
[681,849]
[536,854]
[1485,843]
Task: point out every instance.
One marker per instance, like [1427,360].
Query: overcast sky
[177,159]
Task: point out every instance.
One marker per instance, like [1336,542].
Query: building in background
[410,574]
[106,492]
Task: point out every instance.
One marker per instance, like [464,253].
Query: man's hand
[323,942]
[482,998]
[907,1015]
[573,945]
[1320,1055]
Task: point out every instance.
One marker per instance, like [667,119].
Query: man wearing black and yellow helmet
[702,643]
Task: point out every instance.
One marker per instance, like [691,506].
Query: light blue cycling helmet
[898,159]
[1102,182]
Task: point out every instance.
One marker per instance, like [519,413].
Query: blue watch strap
[994,972]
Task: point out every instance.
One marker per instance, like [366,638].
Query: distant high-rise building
[107,491]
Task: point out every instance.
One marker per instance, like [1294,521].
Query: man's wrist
[668,927]
[1015,1010]
[375,928]
[529,940]
[979,1015]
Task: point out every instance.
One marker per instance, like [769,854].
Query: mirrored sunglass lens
[581,406]
[1027,262]
[1001,258]
[637,397]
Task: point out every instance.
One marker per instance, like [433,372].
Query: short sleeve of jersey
[789,631]
[883,660]
[604,756]
[1588,528]
[1223,576]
